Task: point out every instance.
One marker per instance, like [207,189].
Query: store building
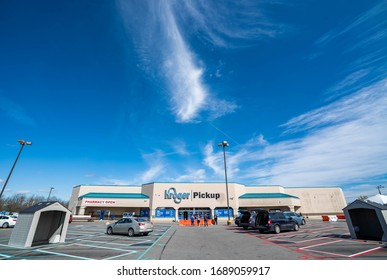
[176,201]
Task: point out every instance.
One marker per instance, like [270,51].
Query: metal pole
[22,143]
[49,194]
[225,175]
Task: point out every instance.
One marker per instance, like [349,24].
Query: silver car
[130,226]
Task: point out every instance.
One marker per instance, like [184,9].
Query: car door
[121,225]
[289,218]
[290,221]
[284,221]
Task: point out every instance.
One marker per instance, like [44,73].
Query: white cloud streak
[156,164]
[363,42]
[161,45]
[15,112]
[342,143]
[211,20]
[191,175]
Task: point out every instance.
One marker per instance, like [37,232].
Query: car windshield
[141,220]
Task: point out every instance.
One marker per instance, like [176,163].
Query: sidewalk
[220,242]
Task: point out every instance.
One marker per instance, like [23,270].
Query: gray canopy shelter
[367,220]
[43,223]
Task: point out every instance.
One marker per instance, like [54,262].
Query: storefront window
[145,213]
[186,213]
[222,212]
[165,213]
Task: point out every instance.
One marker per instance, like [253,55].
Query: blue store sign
[171,193]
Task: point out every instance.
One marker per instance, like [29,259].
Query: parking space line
[323,252]
[150,247]
[140,242]
[364,252]
[324,230]
[320,244]
[103,247]
[313,239]
[62,255]
[302,241]
[5,256]
[122,255]
[104,242]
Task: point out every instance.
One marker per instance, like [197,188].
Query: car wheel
[277,229]
[296,227]
[5,225]
[109,231]
[131,232]
[303,222]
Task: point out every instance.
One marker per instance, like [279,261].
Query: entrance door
[185,214]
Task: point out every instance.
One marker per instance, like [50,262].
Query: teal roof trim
[115,195]
[267,195]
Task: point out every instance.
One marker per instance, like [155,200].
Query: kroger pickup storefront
[177,201]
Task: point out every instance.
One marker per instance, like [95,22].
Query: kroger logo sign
[171,193]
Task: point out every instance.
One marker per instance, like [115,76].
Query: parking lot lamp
[22,143]
[224,144]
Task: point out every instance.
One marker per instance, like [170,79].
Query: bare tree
[20,202]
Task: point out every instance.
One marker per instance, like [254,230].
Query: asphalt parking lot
[323,240]
[169,241]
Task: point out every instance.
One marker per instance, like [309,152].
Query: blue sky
[131,92]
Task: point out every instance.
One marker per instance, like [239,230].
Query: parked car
[7,221]
[274,222]
[130,226]
[297,217]
[238,218]
[247,218]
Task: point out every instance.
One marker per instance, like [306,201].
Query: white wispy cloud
[165,52]
[153,172]
[211,20]
[157,165]
[348,82]
[15,112]
[363,42]
[179,147]
[192,175]
[212,160]
[342,143]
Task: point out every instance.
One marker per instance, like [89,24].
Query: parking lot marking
[62,255]
[323,252]
[320,244]
[301,241]
[150,247]
[122,255]
[5,256]
[113,243]
[364,252]
[103,247]
[313,239]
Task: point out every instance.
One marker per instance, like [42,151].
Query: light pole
[224,144]
[22,143]
[49,194]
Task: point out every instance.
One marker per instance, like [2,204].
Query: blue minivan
[274,222]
